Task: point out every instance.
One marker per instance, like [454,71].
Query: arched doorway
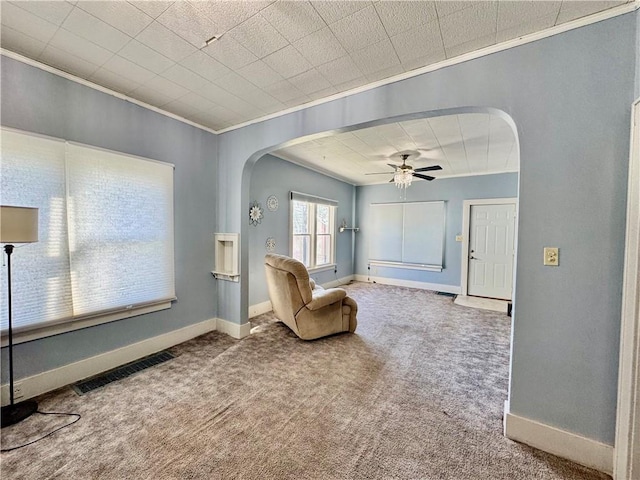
[482,148]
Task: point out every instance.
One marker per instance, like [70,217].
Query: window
[105,248]
[313,230]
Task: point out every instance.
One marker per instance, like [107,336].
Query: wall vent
[119,373]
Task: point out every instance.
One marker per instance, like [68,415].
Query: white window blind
[32,175]
[106,230]
[408,234]
[120,229]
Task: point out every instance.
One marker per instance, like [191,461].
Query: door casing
[626,463]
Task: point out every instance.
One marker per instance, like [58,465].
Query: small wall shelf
[226,256]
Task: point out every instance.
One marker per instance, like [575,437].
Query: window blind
[106,230]
[33,175]
[120,229]
[303,197]
[408,234]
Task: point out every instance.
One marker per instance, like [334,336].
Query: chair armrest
[322,298]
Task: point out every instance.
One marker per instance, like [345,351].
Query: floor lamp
[17,225]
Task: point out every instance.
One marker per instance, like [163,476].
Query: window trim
[70,324]
[314,201]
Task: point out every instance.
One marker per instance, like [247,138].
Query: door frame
[466,225]
[626,455]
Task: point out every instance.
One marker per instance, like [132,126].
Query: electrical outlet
[551,256]
[18,392]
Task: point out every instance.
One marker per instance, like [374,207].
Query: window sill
[27,334]
[323,268]
[406,266]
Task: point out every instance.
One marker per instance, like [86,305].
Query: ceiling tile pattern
[463,145]
[270,55]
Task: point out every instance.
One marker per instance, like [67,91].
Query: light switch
[551,256]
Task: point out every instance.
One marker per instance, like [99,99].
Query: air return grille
[121,372]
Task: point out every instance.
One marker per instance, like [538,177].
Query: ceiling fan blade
[424,177]
[379,173]
[428,169]
[395,167]
[392,180]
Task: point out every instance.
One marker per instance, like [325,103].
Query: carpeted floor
[416,393]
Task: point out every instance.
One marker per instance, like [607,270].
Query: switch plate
[551,256]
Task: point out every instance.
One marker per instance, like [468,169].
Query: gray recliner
[306,308]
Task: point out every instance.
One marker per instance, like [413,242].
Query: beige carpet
[416,393]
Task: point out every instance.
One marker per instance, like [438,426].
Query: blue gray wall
[637,93]
[570,97]
[274,176]
[37,101]
[453,191]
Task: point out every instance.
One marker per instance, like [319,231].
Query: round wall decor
[255,213]
[270,244]
[272,203]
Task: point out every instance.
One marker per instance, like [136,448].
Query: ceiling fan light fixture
[402,178]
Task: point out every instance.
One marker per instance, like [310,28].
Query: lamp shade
[18,224]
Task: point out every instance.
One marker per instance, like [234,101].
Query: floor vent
[446,294]
[121,372]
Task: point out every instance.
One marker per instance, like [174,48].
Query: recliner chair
[306,308]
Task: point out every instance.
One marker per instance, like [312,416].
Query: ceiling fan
[403,174]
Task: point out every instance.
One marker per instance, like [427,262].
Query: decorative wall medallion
[255,213]
[272,203]
[270,244]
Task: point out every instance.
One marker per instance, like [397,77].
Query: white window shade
[120,230]
[106,240]
[33,175]
[408,235]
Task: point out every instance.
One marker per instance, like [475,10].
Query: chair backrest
[288,285]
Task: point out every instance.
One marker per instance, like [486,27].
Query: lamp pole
[18,225]
[9,250]
[14,412]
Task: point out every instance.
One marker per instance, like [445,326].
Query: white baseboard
[232,329]
[558,442]
[73,372]
[259,309]
[338,282]
[437,287]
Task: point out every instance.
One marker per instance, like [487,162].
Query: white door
[491,234]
